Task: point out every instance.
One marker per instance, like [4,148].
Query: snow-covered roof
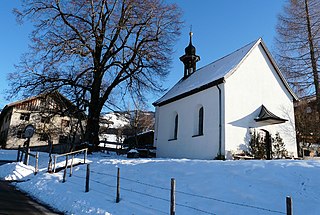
[213,74]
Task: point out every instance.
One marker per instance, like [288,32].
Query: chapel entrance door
[267,139]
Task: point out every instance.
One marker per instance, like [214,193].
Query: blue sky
[219,27]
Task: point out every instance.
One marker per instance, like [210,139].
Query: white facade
[188,144]
[247,79]
[256,83]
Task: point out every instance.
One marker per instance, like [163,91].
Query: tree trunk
[97,42]
[313,59]
[92,128]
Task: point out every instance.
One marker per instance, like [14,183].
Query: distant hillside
[116,126]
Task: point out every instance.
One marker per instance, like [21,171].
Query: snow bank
[15,171]
[202,187]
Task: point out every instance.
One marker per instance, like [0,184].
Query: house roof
[216,73]
[55,95]
[268,117]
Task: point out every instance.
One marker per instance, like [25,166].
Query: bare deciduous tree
[98,49]
[298,44]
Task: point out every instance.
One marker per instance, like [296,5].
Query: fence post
[87,178]
[21,154]
[54,164]
[26,157]
[37,163]
[289,205]
[173,197]
[65,170]
[50,164]
[85,156]
[18,156]
[118,186]
[71,166]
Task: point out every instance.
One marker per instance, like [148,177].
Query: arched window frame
[176,124]
[200,121]
[175,127]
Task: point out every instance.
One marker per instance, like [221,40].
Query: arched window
[200,122]
[175,132]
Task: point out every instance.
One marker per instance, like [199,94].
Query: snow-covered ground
[202,187]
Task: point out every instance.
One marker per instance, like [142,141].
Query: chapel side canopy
[268,118]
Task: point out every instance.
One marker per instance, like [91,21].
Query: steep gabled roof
[215,73]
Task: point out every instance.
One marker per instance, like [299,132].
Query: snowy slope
[113,121]
[203,187]
[117,120]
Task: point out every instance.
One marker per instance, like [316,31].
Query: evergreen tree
[278,147]
[257,147]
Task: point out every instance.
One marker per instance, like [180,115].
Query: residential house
[54,117]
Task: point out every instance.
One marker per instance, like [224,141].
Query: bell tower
[190,58]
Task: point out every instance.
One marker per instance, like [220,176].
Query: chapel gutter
[219,156]
[191,92]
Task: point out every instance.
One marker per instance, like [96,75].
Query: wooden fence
[172,201]
[116,147]
[27,153]
[67,154]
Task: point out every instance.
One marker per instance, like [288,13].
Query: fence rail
[172,192]
[27,153]
[70,153]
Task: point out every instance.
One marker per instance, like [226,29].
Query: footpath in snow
[202,187]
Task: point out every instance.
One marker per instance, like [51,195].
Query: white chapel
[210,112]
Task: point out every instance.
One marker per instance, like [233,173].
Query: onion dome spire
[190,58]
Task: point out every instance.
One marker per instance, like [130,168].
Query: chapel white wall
[254,83]
[186,146]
